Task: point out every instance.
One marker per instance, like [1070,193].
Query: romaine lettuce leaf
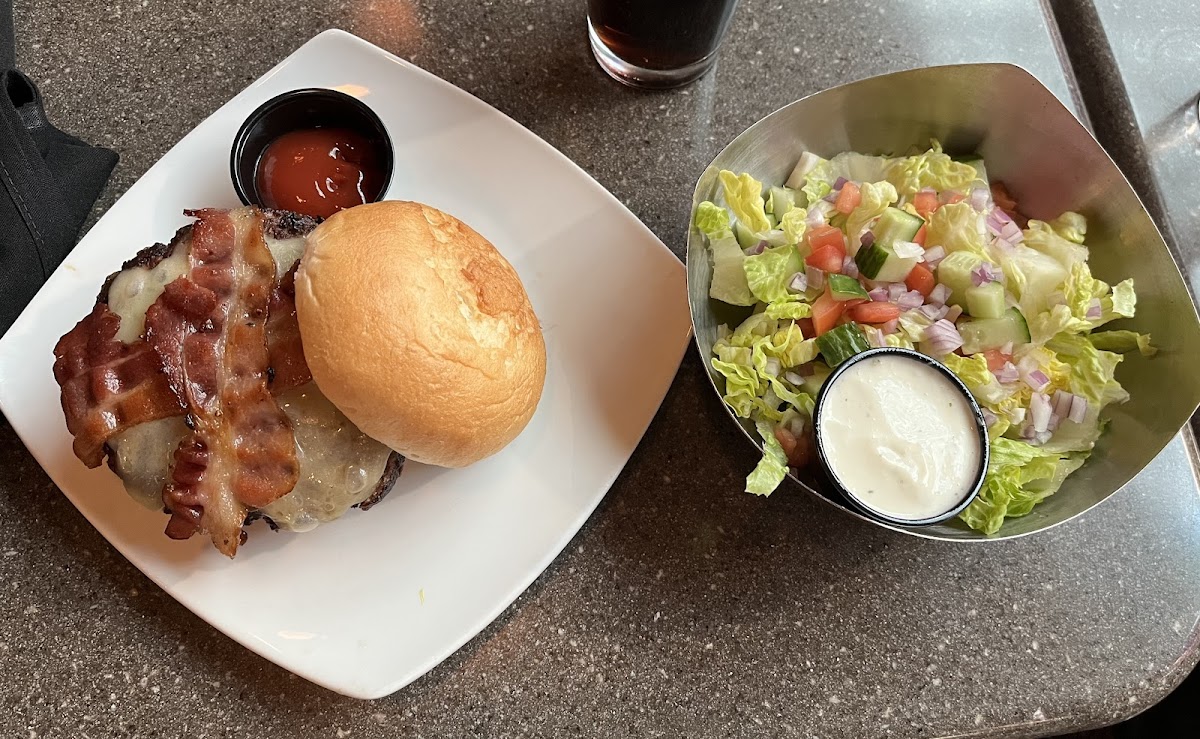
[772,468]
[793,308]
[1123,342]
[932,169]
[1043,237]
[1071,226]
[712,220]
[957,227]
[769,273]
[794,224]
[1019,477]
[743,193]
[729,283]
[1092,370]
[876,197]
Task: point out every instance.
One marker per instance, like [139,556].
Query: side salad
[921,252]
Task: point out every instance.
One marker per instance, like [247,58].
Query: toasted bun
[419,331]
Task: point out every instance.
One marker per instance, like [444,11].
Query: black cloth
[49,181]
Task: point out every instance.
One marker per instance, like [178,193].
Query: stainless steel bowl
[1050,163]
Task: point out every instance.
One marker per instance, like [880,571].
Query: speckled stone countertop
[684,607]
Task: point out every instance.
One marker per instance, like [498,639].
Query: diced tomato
[826,236]
[797,449]
[996,359]
[921,279]
[848,199]
[828,258]
[1003,199]
[920,237]
[806,327]
[826,312]
[952,196]
[853,302]
[925,202]
[875,312]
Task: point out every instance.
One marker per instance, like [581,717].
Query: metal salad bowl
[1051,164]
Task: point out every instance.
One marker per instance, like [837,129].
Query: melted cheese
[339,465]
[135,289]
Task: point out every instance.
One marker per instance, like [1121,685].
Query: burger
[264,365]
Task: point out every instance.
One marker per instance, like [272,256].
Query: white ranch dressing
[901,437]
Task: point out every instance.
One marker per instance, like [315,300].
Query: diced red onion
[867,238]
[793,378]
[985,273]
[939,295]
[942,338]
[1039,412]
[831,197]
[989,418]
[816,278]
[1008,373]
[1036,380]
[907,249]
[895,290]
[757,249]
[953,312]
[799,283]
[1094,311]
[850,267]
[839,183]
[818,214]
[879,294]
[934,255]
[1000,217]
[1062,406]
[1079,409]
[934,312]
[1007,349]
[909,300]
[891,327]
[874,336]
[1011,233]
[773,367]
[1002,245]
[979,198]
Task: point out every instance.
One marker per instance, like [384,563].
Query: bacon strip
[108,386]
[284,347]
[209,329]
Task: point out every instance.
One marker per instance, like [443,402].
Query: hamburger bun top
[419,331]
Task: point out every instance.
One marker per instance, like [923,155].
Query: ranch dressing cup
[900,437]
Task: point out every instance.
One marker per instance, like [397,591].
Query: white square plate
[369,603]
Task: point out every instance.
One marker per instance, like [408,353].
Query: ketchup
[319,171]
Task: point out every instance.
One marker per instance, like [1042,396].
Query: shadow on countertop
[1174,717]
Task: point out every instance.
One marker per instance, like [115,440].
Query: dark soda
[661,34]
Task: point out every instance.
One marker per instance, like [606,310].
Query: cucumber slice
[842,342]
[842,287]
[745,236]
[779,201]
[955,273]
[879,262]
[982,334]
[986,301]
[896,225]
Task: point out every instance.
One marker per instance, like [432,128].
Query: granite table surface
[684,607]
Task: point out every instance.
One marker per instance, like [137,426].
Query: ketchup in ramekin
[313,151]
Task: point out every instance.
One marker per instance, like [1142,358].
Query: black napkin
[49,181]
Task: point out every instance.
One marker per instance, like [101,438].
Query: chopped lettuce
[1092,370]
[772,468]
[1123,342]
[819,182]
[1071,226]
[794,309]
[794,224]
[1045,238]
[769,273]
[957,227]
[876,197]
[712,220]
[932,169]
[1019,477]
[743,193]
[729,283]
